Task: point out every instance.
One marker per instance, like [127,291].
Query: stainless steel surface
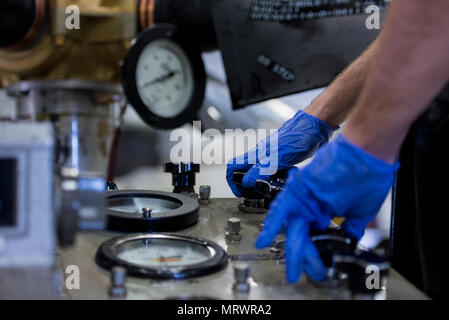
[267,279]
[84,115]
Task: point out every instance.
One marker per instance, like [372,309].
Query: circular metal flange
[169,211]
[252,206]
[109,255]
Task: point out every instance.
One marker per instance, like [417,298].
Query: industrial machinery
[68,76]
[72,66]
[215,259]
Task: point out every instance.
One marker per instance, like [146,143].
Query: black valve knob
[258,199]
[183,176]
[331,242]
[237,178]
[111,186]
[272,187]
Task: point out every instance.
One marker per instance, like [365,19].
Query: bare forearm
[408,69]
[335,103]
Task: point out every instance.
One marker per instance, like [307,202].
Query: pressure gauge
[144,211]
[164,77]
[165,256]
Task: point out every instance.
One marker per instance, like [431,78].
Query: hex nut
[234,225]
[233,233]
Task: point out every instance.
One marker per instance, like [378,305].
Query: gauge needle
[161,79]
[168,259]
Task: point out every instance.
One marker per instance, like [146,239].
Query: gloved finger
[313,265]
[274,223]
[251,177]
[295,250]
[356,226]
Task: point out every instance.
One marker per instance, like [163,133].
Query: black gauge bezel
[176,219]
[129,82]
[106,257]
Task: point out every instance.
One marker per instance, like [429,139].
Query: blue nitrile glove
[342,180]
[298,138]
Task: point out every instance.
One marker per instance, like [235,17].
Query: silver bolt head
[241,272]
[234,225]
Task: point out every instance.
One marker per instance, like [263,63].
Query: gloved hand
[342,180]
[298,138]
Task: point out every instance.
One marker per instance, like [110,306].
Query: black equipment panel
[273,48]
[8,192]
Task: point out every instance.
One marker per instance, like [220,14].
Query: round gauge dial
[162,255]
[164,77]
[143,211]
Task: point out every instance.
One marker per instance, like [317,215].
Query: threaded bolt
[118,280]
[241,275]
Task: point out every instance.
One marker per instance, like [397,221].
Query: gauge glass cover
[136,204]
[164,78]
[150,211]
[163,253]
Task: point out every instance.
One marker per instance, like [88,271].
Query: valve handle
[183,176]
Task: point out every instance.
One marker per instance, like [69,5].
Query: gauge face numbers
[164,253]
[164,77]
[135,205]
